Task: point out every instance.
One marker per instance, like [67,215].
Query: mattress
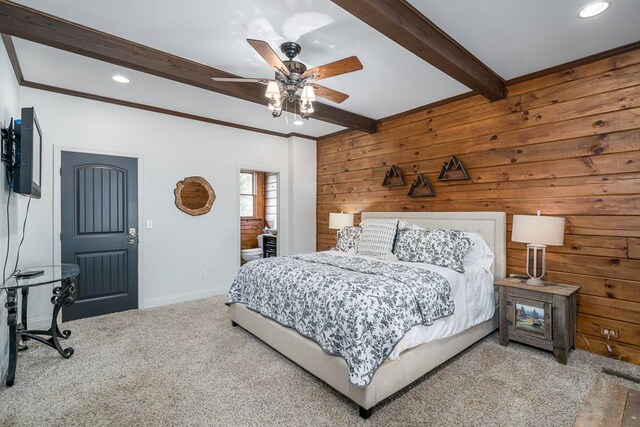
[475,303]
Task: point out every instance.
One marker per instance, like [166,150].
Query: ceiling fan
[293,76]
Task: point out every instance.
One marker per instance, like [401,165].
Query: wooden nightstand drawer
[532,295]
[541,316]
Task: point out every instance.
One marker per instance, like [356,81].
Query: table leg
[12,320]
[25,301]
[561,330]
[62,297]
[504,315]
[24,304]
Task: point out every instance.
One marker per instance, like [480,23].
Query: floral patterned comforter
[355,307]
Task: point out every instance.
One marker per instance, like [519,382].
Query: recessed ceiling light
[593,9]
[120,78]
[298,122]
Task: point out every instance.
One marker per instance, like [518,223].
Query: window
[247,194]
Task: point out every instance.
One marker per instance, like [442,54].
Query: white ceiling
[518,37]
[511,37]
[54,67]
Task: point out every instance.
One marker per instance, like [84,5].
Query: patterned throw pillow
[445,248]
[348,239]
[378,236]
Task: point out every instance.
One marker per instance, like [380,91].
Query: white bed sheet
[474,300]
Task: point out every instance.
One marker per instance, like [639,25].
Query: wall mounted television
[28,154]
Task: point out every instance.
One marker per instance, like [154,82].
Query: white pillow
[480,253]
[377,237]
[404,225]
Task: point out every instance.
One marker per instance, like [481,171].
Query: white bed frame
[393,375]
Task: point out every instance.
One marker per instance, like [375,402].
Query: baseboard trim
[188,296]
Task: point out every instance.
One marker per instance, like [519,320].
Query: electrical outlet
[609,332]
[203,274]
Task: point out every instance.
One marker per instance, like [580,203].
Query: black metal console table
[66,274]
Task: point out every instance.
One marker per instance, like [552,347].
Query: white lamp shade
[338,221]
[538,230]
[307,93]
[273,90]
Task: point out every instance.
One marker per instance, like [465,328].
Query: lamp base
[535,264]
[534,281]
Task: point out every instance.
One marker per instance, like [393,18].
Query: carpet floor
[185,365]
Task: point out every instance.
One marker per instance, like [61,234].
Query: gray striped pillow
[377,237]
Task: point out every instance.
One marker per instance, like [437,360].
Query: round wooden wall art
[194,195]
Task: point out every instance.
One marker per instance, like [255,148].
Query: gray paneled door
[99,203]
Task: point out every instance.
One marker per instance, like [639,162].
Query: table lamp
[338,221]
[537,232]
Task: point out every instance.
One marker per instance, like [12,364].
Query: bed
[417,352]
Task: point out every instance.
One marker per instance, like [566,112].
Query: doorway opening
[259,216]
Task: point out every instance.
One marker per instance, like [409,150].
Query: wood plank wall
[567,143]
[271,200]
[251,227]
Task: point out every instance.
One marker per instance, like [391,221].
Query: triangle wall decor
[393,178]
[421,187]
[453,170]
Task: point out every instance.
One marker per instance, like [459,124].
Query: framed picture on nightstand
[533,317]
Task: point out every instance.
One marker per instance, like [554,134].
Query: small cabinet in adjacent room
[269,246]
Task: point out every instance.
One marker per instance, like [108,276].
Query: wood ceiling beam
[13,58]
[30,24]
[405,25]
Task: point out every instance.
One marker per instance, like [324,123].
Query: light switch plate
[149,223]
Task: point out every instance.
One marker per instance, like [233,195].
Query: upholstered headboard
[492,226]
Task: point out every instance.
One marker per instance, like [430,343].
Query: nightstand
[541,316]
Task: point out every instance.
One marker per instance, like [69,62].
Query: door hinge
[509,303]
[60,236]
[60,171]
[509,322]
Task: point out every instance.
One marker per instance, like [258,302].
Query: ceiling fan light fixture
[273,90]
[293,77]
[308,94]
[275,104]
[594,8]
[306,107]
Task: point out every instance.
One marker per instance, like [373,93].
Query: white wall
[9,107]
[178,246]
[302,164]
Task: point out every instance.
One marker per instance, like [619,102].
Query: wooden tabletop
[549,287]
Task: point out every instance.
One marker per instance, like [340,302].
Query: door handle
[131,242]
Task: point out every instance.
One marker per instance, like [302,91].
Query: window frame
[254,195]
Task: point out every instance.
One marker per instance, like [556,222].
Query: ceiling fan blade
[239,80]
[268,55]
[343,66]
[330,94]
